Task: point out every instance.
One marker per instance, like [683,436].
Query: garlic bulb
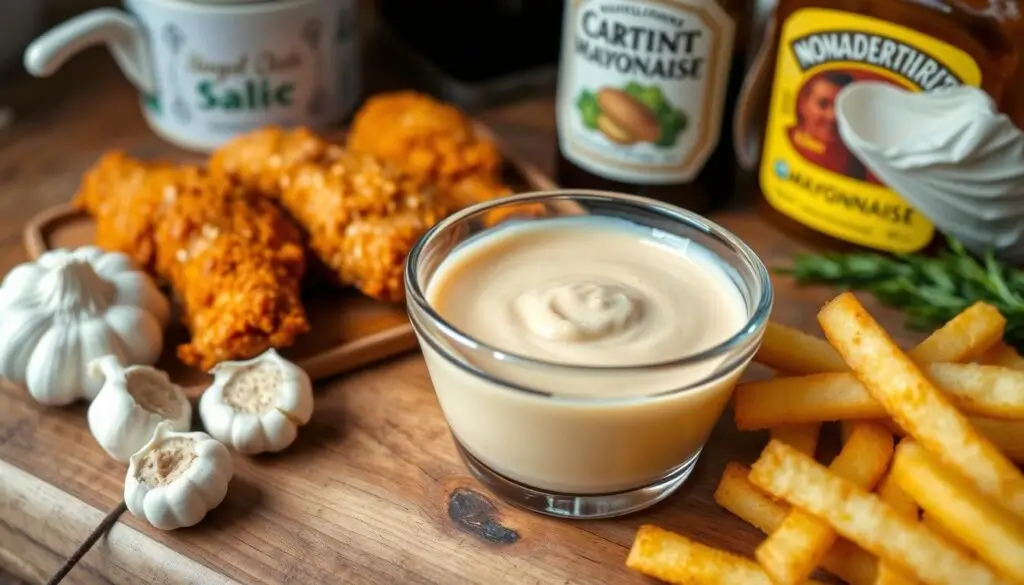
[257,405]
[176,478]
[69,307]
[131,403]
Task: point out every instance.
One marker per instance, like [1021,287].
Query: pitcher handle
[750,104]
[121,32]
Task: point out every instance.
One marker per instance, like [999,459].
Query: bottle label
[641,87]
[807,173]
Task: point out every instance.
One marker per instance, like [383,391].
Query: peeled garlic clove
[176,478]
[130,405]
[256,406]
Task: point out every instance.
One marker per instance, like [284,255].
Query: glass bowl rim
[755,321]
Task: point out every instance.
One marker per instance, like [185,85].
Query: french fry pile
[925,489]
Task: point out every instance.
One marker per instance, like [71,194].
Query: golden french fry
[989,391]
[790,350]
[1004,434]
[736,494]
[791,553]
[916,405]
[942,532]
[969,517]
[865,519]
[962,339]
[803,438]
[673,558]
[1003,355]
[892,494]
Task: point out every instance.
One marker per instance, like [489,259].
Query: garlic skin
[130,405]
[257,405]
[69,307]
[176,478]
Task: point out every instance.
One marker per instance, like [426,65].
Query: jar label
[641,87]
[807,173]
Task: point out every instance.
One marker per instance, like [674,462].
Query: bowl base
[577,507]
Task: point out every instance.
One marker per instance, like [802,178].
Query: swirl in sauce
[588,291]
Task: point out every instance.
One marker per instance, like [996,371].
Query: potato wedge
[803,438]
[963,339]
[792,351]
[673,558]
[791,553]
[966,515]
[1003,355]
[892,494]
[989,391]
[736,494]
[865,519]
[915,404]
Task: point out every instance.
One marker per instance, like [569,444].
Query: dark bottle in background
[477,52]
[646,90]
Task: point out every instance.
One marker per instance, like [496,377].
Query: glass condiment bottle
[644,91]
[813,187]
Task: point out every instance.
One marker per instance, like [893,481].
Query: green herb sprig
[929,290]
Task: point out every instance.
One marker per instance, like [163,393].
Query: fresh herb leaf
[930,291]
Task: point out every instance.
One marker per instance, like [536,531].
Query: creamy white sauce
[588,291]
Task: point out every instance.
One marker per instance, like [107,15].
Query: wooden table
[372,492]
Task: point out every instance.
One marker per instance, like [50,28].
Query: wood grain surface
[372,491]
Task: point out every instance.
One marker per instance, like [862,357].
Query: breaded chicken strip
[232,257]
[432,140]
[362,216]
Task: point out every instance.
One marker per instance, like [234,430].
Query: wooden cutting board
[348,330]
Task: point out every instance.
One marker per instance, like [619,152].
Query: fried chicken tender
[432,140]
[233,258]
[114,191]
[361,214]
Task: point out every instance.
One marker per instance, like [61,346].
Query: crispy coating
[432,140]
[361,214]
[114,191]
[233,258]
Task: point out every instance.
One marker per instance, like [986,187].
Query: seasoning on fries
[791,553]
[916,405]
[865,519]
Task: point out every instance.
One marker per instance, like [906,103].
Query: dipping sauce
[580,293]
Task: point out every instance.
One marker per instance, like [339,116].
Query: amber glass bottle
[812,184]
[643,90]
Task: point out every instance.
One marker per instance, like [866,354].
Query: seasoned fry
[673,558]
[916,405]
[942,532]
[790,554]
[736,494]
[1004,434]
[792,351]
[963,338]
[362,215]
[904,505]
[803,438]
[990,391]
[865,519]
[953,503]
[1003,355]
[234,259]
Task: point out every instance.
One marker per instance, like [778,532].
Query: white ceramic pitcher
[208,71]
